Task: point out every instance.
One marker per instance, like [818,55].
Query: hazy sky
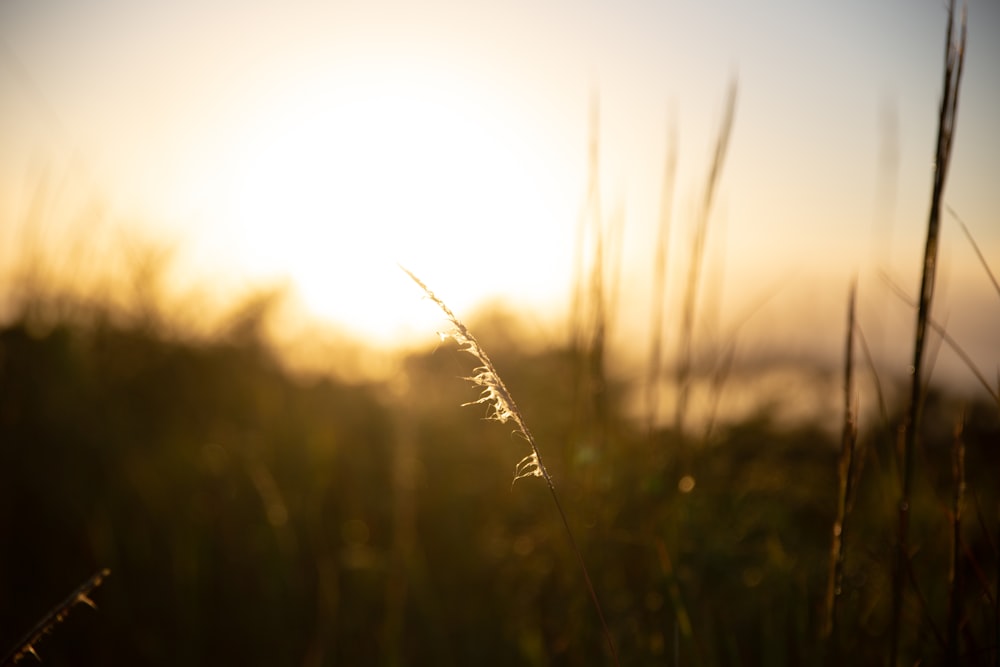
[326,141]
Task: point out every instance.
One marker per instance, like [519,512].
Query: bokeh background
[216,382]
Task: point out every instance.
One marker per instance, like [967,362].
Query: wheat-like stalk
[954,59]
[54,617]
[495,396]
[503,409]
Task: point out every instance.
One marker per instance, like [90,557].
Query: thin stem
[846,484]
[950,342]
[955,571]
[975,247]
[583,567]
[684,363]
[662,255]
[55,616]
[501,403]
[954,57]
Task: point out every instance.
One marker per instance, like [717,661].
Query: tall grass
[975,248]
[731,572]
[684,355]
[596,271]
[55,616]
[846,483]
[955,583]
[661,257]
[954,58]
[500,402]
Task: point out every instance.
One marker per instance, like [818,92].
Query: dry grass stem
[662,255]
[684,361]
[589,225]
[954,59]
[503,409]
[955,571]
[847,483]
[975,247]
[56,615]
[494,396]
[947,339]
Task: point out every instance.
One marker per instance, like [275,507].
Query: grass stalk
[404,538]
[883,408]
[500,402]
[684,362]
[590,311]
[955,570]
[954,58]
[598,269]
[725,359]
[948,340]
[846,484]
[605,273]
[975,248]
[662,255]
[54,617]
[589,225]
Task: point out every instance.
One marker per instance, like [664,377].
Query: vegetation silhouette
[252,515]
[255,515]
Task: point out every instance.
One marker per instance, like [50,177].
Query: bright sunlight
[333,182]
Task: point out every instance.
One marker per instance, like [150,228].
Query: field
[247,511]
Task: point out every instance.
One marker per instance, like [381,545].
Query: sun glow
[331,185]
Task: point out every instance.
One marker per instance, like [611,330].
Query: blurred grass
[255,515]
[251,516]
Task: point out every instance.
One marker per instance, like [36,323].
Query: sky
[319,144]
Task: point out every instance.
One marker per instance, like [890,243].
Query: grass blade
[56,615]
[954,58]
[503,409]
[684,363]
[846,484]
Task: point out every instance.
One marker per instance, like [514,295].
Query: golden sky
[320,143]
